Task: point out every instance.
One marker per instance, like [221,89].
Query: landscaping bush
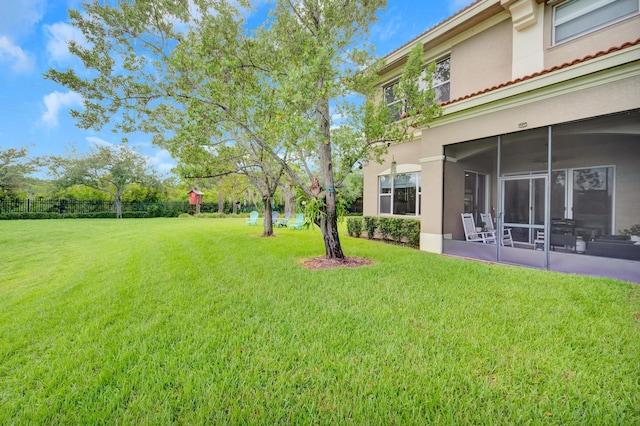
[370,225]
[354,226]
[396,229]
[385,226]
[411,231]
[29,215]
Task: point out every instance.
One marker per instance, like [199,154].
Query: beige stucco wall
[621,95]
[482,61]
[404,153]
[481,58]
[603,99]
[587,44]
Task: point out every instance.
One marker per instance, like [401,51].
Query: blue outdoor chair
[298,223]
[283,222]
[253,218]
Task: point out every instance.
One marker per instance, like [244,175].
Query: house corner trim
[523,13]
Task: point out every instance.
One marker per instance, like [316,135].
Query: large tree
[192,74]
[15,166]
[106,168]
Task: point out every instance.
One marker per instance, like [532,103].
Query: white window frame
[392,83]
[418,189]
[447,82]
[395,101]
[589,6]
[386,195]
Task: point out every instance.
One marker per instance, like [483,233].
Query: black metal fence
[64,207]
[15,208]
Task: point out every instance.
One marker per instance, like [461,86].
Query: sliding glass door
[523,201]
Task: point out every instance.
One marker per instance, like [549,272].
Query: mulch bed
[324,262]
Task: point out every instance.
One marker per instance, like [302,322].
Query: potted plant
[480,226]
[633,233]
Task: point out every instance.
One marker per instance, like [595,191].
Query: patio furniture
[506,239]
[253,218]
[298,223]
[274,217]
[472,234]
[610,246]
[538,243]
[283,222]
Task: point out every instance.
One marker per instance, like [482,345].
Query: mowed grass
[203,322]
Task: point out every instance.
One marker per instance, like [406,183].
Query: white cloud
[162,161]
[55,101]
[18,17]
[58,37]
[11,53]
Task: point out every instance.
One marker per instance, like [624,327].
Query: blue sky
[34,112]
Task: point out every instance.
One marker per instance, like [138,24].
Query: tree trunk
[328,223]
[118,204]
[289,199]
[268,226]
[220,202]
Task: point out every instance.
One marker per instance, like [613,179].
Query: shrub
[30,215]
[354,226]
[385,226]
[399,230]
[634,230]
[370,225]
[134,215]
[411,231]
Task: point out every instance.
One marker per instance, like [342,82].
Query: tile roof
[547,71]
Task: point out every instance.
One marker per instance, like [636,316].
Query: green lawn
[203,322]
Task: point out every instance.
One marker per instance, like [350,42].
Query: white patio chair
[538,243]
[506,239]
[471,234]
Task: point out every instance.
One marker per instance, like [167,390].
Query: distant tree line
[116,178]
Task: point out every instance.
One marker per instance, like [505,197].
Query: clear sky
[34,112]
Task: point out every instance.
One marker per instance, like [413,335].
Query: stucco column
[528,36]
[431,217]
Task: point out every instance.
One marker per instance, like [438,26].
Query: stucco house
[540,129]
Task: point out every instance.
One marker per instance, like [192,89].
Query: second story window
[574,18]
[440,85]
[395,105]
[441,80]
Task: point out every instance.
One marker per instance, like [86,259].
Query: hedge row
[51,215]
[387,228]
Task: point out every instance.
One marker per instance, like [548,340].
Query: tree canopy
[15,166]
[109,169]
[283,99]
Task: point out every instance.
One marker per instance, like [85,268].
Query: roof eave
[465,19]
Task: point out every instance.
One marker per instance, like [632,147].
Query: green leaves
[14,168]
[105,168]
